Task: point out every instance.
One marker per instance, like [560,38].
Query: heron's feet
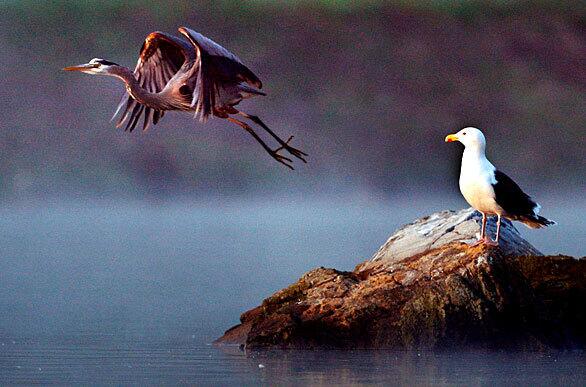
[293,151]
[281,159]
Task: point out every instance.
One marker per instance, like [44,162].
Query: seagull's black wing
[161,56]
[517,204]
[511,198]
[218,68]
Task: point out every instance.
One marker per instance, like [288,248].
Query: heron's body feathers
[220,74]
[188,73]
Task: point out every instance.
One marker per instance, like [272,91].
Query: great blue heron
[190,73]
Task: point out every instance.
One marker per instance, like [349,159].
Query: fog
[368,90]
[190,268]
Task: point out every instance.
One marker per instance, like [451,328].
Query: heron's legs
[284,144]
[274,153]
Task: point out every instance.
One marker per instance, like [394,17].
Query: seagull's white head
[470,137]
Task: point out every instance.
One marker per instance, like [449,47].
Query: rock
[445,227]
[426,288]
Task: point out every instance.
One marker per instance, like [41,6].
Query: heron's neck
[136,91]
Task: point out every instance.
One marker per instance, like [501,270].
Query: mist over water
[190,268]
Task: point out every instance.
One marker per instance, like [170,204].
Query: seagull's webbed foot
[485,241]
[490,242]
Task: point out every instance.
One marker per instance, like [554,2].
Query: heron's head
[470,137]
[95,66]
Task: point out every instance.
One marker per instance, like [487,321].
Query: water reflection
[181,361]
[422,368]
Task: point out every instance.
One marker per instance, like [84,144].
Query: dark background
[369,89]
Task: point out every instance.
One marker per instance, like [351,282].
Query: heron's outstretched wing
[161,56]
[218,68]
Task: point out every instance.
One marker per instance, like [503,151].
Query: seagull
[489,190]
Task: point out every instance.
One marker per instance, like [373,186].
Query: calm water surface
[135,293]
[183,361]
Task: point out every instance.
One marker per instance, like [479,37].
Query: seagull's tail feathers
[535,221]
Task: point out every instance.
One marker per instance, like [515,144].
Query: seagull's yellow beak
[81,67]
[451,138]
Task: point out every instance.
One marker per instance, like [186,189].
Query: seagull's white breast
[476,183]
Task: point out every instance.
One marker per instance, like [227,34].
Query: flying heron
[189,73]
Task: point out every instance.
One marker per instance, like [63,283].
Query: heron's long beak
[81,67]
[451,138]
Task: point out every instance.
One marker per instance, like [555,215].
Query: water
[181,361]
[135,292]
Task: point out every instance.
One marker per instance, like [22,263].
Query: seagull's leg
[284,144]
[498,229]
[482,238]
[274,153]
[486,239]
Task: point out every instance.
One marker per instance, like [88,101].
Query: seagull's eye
[463,134]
